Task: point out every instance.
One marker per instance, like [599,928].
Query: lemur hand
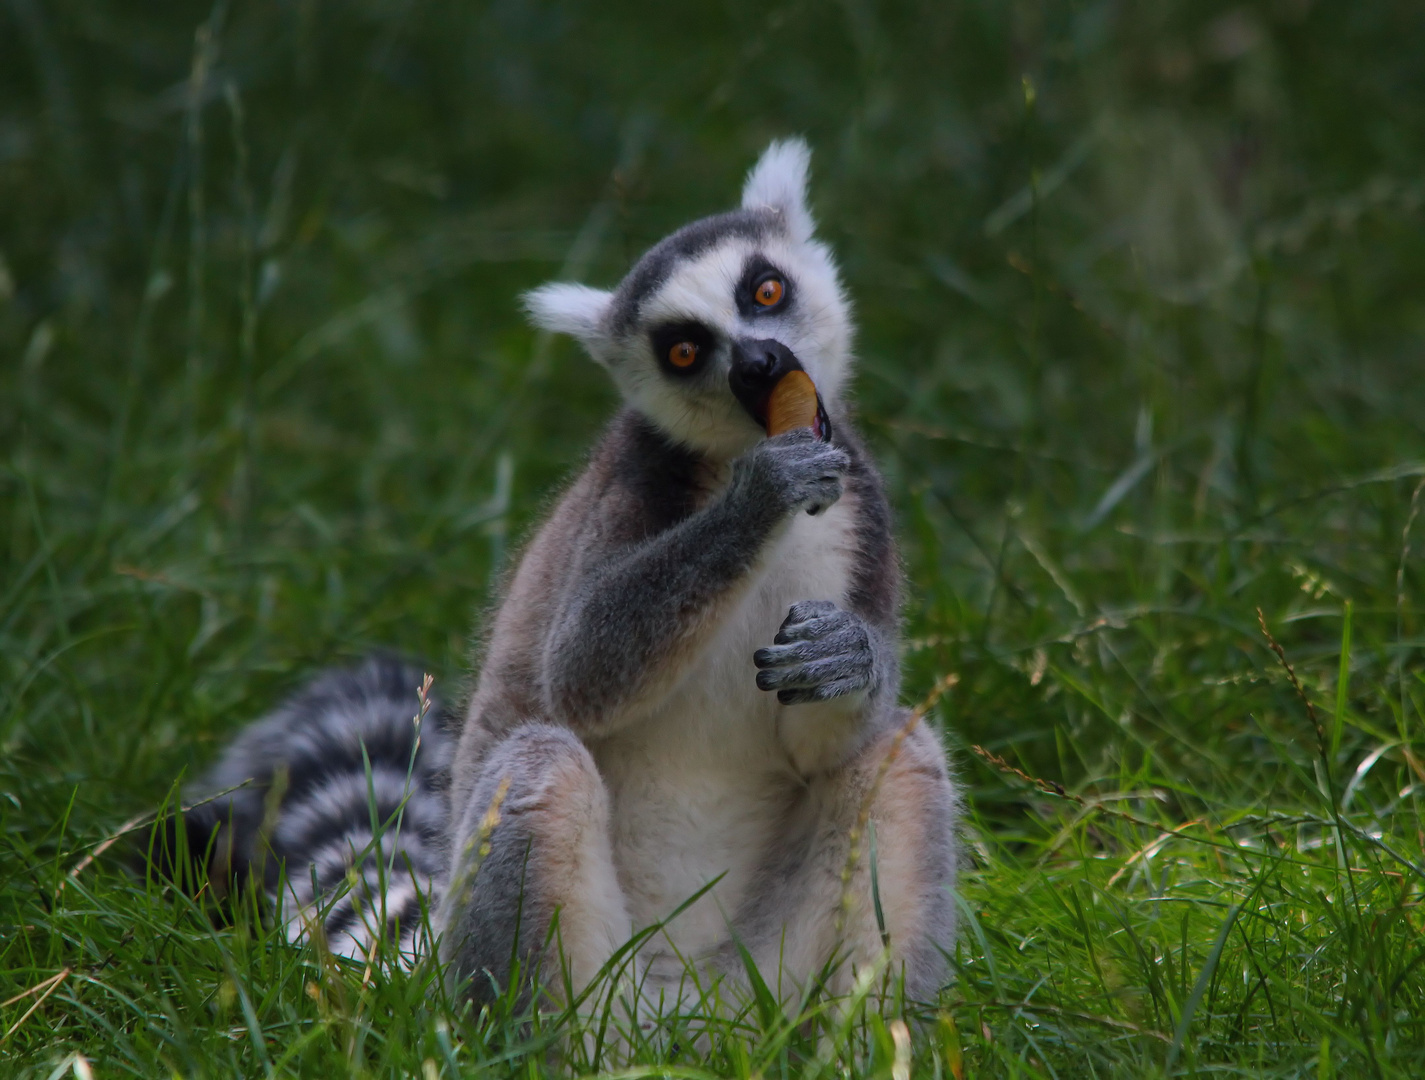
[793,471]
[821,652]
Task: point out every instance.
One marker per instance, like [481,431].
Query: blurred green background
[1141,289]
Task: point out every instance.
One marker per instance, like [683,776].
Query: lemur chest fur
[699,786]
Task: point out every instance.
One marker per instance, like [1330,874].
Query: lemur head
[711,316]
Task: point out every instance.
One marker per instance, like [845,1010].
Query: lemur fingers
[794,471]
[847,667]
[820,652]
[837,643]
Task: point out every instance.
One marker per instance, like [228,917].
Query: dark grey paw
[820,653]
[796,471]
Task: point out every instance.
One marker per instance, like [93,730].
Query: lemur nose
[760,361]
[757,366]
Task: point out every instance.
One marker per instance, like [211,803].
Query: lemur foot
[821,652]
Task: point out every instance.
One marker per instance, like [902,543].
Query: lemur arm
[619,640]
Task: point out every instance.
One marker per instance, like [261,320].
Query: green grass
[1141,308]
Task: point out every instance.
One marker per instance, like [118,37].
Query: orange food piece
[792,404]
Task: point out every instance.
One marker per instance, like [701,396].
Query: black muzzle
[759,365]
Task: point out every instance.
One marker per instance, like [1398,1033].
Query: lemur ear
[570,309]
[779,180]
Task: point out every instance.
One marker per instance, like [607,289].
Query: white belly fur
[696,788]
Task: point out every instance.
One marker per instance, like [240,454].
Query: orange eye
[683,354]
[769,293]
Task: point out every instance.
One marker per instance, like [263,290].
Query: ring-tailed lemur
[692,678]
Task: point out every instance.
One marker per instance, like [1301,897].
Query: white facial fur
[700,411]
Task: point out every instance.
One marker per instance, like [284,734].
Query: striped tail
[342,808]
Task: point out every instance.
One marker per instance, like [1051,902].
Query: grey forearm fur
[639,606]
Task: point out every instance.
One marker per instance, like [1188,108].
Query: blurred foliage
[1141,323]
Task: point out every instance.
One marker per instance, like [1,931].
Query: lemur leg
[533,839]
[813,914]
[914,812]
